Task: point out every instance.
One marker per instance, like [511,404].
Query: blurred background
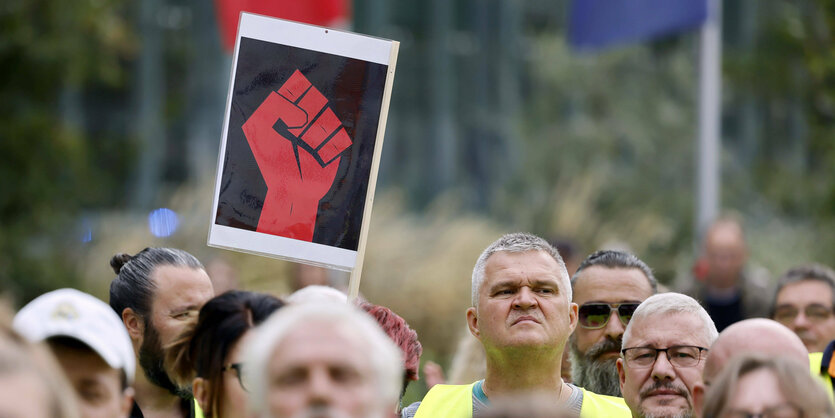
[111,114]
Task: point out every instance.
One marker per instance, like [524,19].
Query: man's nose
[801,320]
[525,298]
[662,368]
[319,388]
[614,328]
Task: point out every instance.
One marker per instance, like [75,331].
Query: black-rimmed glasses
[678,355]
[239,372]
[596,315]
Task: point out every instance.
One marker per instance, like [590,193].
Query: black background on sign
[354,90]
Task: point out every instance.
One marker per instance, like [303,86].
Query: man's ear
[201,392]
[134,324]
[572,316]
[126,403]
[698,398]
[472,322]
[621,373]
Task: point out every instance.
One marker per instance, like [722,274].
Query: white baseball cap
[75,314]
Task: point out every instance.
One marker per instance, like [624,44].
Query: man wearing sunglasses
[608,286]
[664,349]
[522,314]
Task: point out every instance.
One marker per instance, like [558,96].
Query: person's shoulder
[756,278]
[410,411]
[447,401]
[597,405]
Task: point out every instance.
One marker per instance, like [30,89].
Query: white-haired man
[522,314]
[317,359]
[663,355]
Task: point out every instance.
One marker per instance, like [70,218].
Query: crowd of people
[603,340]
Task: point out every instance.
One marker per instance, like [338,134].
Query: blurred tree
[608,144]
[780,120]
[52,52]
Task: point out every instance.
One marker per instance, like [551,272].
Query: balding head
[725,253]
[758,335]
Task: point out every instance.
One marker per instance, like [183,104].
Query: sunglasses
[596,315]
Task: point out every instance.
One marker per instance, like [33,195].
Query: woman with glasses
[209,354]
[755,385]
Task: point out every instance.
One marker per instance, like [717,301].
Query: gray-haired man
[522,314]
[663,356]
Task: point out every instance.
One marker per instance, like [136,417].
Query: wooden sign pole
[354,283]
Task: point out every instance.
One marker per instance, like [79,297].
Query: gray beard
[600,377]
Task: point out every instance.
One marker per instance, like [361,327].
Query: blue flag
[597,24]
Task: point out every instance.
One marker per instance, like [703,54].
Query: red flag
[317,12]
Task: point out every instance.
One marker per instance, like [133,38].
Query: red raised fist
[297,142]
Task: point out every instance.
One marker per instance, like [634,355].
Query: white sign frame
[329,41]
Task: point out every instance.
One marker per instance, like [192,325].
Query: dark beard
[589,372]
[151,358]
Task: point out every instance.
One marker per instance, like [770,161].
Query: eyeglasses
[814,313]
[596,315]
[239,371]
[785,410]
[677,355]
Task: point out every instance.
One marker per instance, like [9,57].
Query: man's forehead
[167,276]
[604,284]
[806,289]
[725,233]
[667,329]
[321,343]
[536,262]
[182,287]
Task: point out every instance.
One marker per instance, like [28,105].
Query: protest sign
[301,142]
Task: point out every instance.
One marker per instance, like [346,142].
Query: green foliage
[47,49]
[608,149]
[783,78]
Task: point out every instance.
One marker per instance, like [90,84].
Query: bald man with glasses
[608,287]
[663,355]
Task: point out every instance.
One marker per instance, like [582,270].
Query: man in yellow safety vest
[523,315]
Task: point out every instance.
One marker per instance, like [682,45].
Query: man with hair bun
[157,293]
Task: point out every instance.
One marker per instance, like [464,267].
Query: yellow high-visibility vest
[456,401]
[815,365]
